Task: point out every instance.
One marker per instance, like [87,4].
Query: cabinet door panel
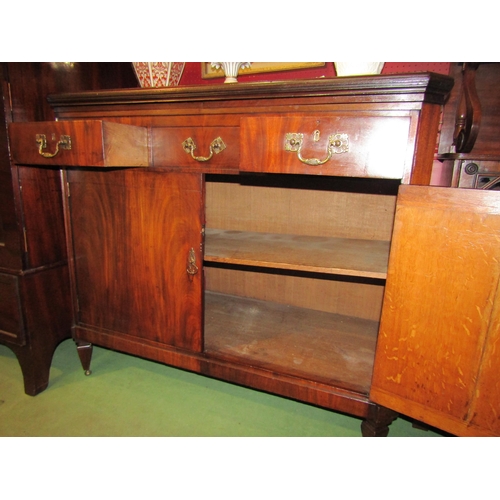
[132,239]
[438,312]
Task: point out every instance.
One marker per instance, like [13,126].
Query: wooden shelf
[350,257]
[323,346]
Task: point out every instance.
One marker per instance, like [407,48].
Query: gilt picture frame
[259,67]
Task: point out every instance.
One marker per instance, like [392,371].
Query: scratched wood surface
[343,256]
[326,347]
[436,353]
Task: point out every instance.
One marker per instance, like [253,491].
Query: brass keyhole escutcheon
[192,268]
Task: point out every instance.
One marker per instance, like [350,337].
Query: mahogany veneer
[93,143]
[309,279]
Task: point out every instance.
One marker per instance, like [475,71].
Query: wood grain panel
[484,413]
[132,234]
[445,252]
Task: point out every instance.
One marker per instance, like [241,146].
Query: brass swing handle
[216,146]
[337,143]
[41,140]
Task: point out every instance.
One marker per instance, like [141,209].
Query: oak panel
[485,408]
[438,325]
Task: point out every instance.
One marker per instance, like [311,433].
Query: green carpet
[127,396]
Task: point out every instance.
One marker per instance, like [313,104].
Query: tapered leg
[378,421]
[35,367]
[44,298]
[84,350]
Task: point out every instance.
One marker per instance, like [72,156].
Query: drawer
[341,145]
[209,148]
[79,143]
[11,319]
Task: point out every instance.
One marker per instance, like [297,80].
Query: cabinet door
[436,353]
[137,254]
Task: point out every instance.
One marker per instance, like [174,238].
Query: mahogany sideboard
[282,236]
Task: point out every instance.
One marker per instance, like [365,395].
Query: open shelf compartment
[295,270]
[322,346]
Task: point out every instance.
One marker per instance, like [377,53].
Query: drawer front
[79,143]
[340,145]
[209,148]
[11,319]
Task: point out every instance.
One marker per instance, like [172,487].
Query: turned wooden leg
[378,421]
[84,350]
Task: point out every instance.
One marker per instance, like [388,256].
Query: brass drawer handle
[337,143]
[64,143]
[216,146]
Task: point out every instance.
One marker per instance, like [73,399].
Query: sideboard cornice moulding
[420,87]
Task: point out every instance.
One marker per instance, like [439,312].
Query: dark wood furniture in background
[470,147]
[35,304]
